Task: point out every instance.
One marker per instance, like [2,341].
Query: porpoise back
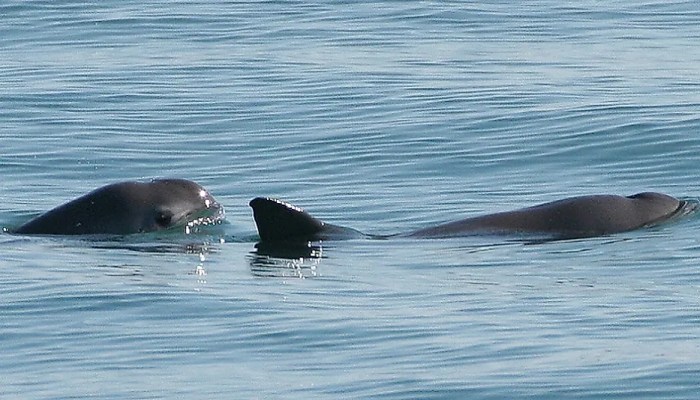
[574,217]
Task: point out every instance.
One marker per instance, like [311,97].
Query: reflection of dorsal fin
[277,220]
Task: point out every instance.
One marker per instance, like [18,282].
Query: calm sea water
[385,116]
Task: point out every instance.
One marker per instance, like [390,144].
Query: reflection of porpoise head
[574,217]
[129,207]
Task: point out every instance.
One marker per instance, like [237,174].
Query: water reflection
[283,260]
[184,247]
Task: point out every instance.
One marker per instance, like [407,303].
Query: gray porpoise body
[128,207]
[574,217]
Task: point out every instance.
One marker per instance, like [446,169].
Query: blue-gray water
[385,116]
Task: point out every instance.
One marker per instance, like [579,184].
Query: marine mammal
[575,217]
[129,207]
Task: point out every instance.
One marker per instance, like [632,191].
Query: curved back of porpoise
[125,208]
[574,217]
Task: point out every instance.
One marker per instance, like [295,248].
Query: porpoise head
[131,207]
[173,203]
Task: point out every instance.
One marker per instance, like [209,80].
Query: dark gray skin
[575,217]
[128,207]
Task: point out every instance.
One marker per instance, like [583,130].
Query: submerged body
[129,207]
[574,217]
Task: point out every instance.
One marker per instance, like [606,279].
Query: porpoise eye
[164,219]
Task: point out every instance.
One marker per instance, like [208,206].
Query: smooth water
[387,117]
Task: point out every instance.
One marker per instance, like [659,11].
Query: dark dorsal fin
[277,220]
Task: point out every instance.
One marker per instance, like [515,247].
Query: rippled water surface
[387,117]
